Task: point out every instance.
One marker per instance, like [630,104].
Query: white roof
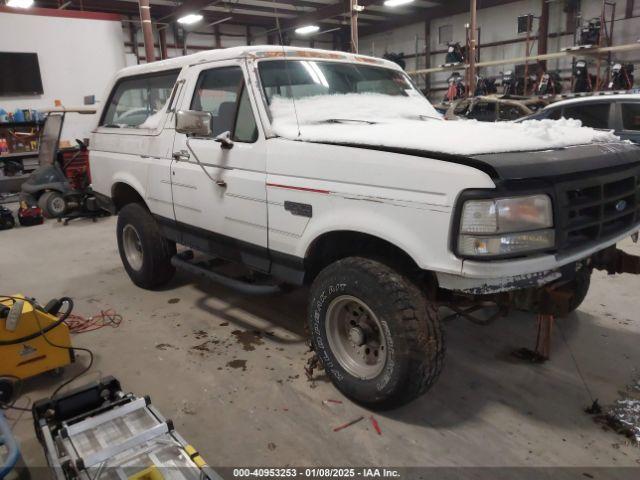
[257,51]
[595,97]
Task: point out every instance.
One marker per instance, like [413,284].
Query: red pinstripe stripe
[302,189]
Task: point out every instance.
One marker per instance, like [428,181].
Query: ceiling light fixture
[396,3]
[307,29]
[190,19]
[19,3]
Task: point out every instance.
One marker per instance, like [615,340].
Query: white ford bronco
[331,170]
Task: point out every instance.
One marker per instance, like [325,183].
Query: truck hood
[557,162]
[411,123]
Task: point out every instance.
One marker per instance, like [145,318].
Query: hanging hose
[52,308]
[46,329]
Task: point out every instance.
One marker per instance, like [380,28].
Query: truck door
[219,193]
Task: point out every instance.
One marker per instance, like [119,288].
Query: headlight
[506,226]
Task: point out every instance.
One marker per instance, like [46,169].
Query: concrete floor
[243,399]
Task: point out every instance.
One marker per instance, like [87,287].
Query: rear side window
[595,115]
[222,93]
[138,102]
[631,116]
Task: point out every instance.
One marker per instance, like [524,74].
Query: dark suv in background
[620,113]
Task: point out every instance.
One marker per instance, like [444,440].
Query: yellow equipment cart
[33,340]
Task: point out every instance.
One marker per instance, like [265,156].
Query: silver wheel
[57,205]
[355,337]
[132,247]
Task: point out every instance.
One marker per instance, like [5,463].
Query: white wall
[77,58]
[499,24]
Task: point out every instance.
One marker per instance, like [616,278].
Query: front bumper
[481,278]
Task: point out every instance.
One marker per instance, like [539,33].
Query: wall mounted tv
[20,74]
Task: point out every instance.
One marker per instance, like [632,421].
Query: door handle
[221,183]
[181,155]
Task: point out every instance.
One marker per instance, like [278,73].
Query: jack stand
[556,301]
[543,340]
[542,350]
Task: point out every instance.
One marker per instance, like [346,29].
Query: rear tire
[378,336]
[52,204]
[145,253]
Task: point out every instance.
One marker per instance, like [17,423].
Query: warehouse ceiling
[375,17]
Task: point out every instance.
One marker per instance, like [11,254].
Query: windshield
[307,78]
[309,92]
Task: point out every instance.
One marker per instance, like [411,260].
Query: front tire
[580,286]
[52,204]
[377,335]
[145,253]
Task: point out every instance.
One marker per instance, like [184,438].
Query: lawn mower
[511,85]
[621,76]
[550,84]
[485,86]
[457,88]
[589,33]
[455,54]
[583,81]
[60,186]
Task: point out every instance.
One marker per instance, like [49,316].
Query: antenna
[286,67]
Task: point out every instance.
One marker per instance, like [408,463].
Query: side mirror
[224,139]
[193,122]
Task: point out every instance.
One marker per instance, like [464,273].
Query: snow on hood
[411,122]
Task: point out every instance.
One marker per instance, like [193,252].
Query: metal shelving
[547,56]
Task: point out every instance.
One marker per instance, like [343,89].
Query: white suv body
[289,207]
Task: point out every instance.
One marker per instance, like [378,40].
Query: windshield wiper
[112,125]
[428,117]
[347,120]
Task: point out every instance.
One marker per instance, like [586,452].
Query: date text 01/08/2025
[316,472]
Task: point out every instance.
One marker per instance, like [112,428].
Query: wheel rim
[132,247]
[355,337]
[57,205]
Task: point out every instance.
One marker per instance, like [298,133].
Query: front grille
[596,208]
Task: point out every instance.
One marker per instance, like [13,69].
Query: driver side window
[222,93]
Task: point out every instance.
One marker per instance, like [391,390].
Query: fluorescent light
[396,3]
[307,29]
[19,3]
[190,19]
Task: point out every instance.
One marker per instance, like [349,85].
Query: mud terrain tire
[404,321]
